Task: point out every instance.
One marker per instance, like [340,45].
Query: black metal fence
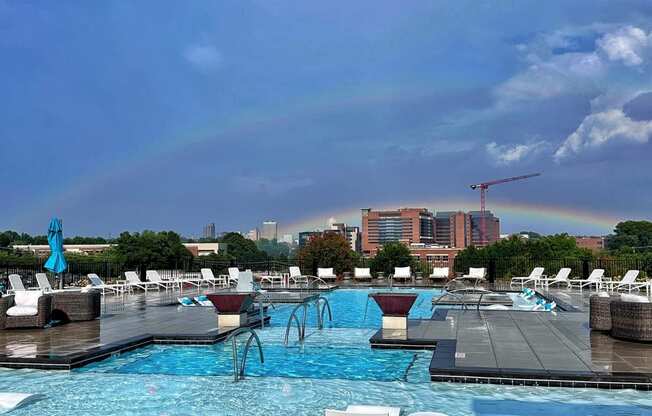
[507,267]
[497,268]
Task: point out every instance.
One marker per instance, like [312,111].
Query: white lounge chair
[362,273]
[629,282]
[326,273]
[44,285]
[402,273]
[272,278]
[245,282]
[439,274]
[190,278]
[15,283]
[535,277]
[297,277]
[364,410]
[133,281]
[97,283]
[209,277]
[595,278]
[476,274]
[153,276]
[561,278]
[234,274]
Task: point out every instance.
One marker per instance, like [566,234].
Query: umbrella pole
[60,281]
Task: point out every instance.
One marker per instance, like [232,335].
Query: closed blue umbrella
[57,261]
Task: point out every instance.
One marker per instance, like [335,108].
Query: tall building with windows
[492,226]
[407,225]
[269,230]
[351,233]
[209,231]
[453,229]
[253,234]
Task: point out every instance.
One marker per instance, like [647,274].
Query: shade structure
[57,261]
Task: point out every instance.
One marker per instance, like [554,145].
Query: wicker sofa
[631,320]
[72,306]
[41,319]
[600,312]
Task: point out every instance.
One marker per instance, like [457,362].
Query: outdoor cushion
[603,294]
[362,271]
[325,271]
[402,272]
[626,297]
[27,298]
[22,311]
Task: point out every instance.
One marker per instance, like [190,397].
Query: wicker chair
[71,306]
[41,319]
[631,320]
[600,312]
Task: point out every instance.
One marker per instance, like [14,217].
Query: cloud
[598,129]
[206,58]
[627,44]
[507,154]
[573,61]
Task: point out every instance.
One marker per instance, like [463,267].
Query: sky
[131,115]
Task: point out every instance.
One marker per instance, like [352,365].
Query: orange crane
[484,186]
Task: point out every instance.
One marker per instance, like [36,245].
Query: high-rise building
[209,231]
[407,225]
[287,238]
[492,227]
[269,230]
[253,234]
[351,233]
[453,229]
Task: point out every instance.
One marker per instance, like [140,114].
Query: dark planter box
[231,303]
[394,304]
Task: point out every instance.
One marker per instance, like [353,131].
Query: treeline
[11,238]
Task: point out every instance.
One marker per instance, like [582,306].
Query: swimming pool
[334,367]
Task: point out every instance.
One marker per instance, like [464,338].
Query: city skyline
[411,105]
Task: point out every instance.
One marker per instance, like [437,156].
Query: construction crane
[484,186]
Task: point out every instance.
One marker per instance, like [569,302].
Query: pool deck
[522,347]
[124,325]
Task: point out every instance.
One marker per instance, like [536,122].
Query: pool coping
[94,354]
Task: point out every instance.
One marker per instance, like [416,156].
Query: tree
[273,248]
[242,249]
[631,235]
[393,254]
[330,250]
[151,250]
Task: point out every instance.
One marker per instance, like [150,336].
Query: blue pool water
[333,368]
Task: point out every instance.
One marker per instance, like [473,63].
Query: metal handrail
[238,371]
[320,313]
[300,328]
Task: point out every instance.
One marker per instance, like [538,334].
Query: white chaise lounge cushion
[440,272]
[402,272]
[626,297]
[362,272]
[478,272]
[22,311]
[325,272]
[27,298]
[25,303]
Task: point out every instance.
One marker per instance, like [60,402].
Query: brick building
[407,225]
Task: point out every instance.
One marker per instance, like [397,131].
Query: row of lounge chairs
[595,280]
[132,281]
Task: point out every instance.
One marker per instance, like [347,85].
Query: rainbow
[562,218]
